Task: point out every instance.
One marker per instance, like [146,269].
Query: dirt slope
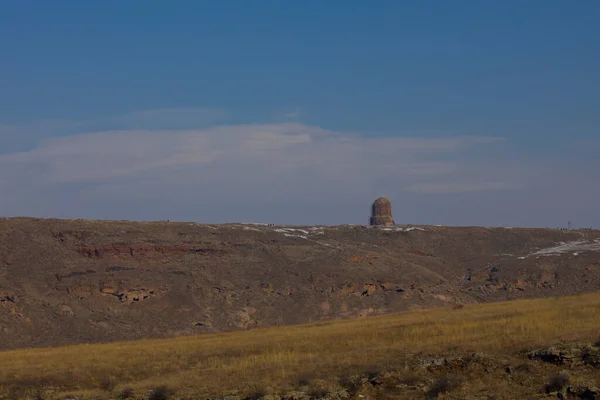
[74,281]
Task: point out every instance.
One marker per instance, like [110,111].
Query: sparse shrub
[557,382]
[107,384]
[597,342]
[320,388]
[394,382]
[26,387]
[160,393]
[410,379]
[526,368]
[14,394]
[318,392]
[372,373]
[351,384]
[525,374]
[443,384]
[126,393]
[458,306]
[256,393]
[303,380]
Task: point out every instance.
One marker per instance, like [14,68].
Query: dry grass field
[276,360]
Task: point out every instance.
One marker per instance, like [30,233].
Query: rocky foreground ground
[569,371]
[524,349]
[76,281]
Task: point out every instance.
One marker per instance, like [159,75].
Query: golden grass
[277,357]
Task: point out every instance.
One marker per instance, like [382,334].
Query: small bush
[522,368]
[372,373]
[351,384]
[410,379]
[303,380]
[320,388]
[126,393]
[443,384]
[14,394]
[107,384]
[458,306]
[318,392]
[393,383]
[160,393]
[256,393]
[557,382]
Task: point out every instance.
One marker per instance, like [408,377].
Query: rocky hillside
[73,281]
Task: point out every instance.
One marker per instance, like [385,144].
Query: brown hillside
[76,281]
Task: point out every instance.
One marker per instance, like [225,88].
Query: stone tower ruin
[381,213]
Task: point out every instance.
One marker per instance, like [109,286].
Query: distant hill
[77,281]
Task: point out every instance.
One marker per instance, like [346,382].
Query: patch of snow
[305,232]
[298,236]
[327,244]
[400,229]
[575,247]
[521,258]
[247,228]
[284,230]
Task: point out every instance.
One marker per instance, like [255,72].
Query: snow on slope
[567,247]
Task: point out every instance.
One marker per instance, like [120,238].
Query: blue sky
[462,112]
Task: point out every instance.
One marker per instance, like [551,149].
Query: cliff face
[74,281]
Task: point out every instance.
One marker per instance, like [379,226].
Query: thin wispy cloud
[290,148]
[296,172]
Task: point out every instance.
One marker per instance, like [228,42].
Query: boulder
[572,355]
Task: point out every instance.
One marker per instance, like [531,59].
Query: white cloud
[249,150]
[299,172]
